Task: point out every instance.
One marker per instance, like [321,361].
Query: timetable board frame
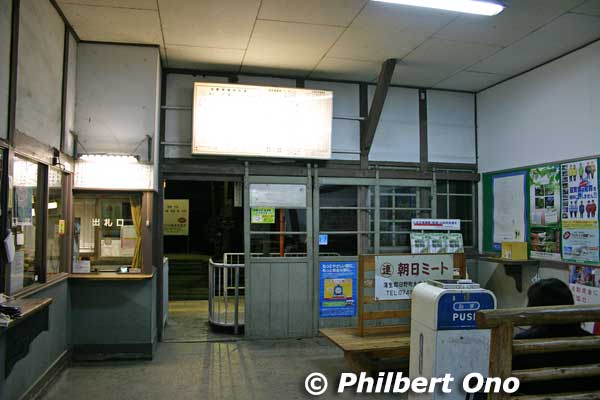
[261,121]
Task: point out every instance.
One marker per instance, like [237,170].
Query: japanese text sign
[397,275]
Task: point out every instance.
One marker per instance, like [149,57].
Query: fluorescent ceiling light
[466,6]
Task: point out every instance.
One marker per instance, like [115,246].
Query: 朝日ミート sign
[397,275]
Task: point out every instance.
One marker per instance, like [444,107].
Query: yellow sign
[262,215]
[176,217]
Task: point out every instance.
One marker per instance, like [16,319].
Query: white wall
[451,120]
[549,114]
[451,127]
[397,135]
[116,97]
[39,72]
[5,37]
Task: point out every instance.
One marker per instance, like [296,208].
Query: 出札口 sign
[397,275]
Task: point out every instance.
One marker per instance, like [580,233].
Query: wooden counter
[28,307]
[111,276]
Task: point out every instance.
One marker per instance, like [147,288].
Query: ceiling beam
[383,84]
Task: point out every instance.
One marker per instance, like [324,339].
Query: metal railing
[224,300]
[226,283]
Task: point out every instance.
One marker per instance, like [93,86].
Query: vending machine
[444,338]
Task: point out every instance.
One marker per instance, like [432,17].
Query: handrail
[503,347]
[553,315]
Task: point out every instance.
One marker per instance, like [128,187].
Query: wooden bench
[371,353]
[503,347]
[372,348]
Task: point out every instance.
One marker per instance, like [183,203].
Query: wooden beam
[554,315]
[383,84]
[552,373]
[553,345]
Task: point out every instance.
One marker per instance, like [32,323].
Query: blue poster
[337,289]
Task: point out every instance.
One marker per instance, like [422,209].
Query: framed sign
[397,275]
[176,217]
[248,120]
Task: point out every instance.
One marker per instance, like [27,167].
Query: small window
[25,266]
[107,230]
[56,224]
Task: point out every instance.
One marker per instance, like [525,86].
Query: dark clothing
[561,359]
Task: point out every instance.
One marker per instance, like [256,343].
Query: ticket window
[106,230]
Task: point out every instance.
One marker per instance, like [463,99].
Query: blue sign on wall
[323,239]
[457,310]
[338,290]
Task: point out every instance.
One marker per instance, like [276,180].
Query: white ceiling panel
[468,80]
[376,43]
[208,23]
[517,20]
[418,75]
[590,7]
[329,12]
[204,58]
[448,55]
[402,18]
[114,24]
[137,4]
[340,68]
[560,36]
[288,46]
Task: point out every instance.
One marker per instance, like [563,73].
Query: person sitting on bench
[553,292]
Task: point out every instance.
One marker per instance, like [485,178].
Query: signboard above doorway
[263,121]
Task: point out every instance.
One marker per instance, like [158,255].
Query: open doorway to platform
[203,222]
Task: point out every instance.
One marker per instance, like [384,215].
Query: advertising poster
[176,217]
[585,285]
[338,289]
[579,211]
[509,212]
[397,275]
[544,212]
[262,215]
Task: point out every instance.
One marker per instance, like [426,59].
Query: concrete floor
[188,322]
[265,369]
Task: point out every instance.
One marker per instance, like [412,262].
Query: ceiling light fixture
[488,8]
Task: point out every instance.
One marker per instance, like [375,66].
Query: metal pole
[237,301]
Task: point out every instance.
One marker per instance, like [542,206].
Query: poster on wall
[262,215]
[509,218]
[544,212]
[338,291]
[579,211]
[397,275]
[584,282]
[434,243]
[176,217]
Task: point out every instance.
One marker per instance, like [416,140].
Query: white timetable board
[263,121]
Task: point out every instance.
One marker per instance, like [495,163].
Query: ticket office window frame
[108,262]
[39,221]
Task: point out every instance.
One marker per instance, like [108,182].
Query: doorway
[214,226]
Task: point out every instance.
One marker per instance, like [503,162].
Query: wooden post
[501,356]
